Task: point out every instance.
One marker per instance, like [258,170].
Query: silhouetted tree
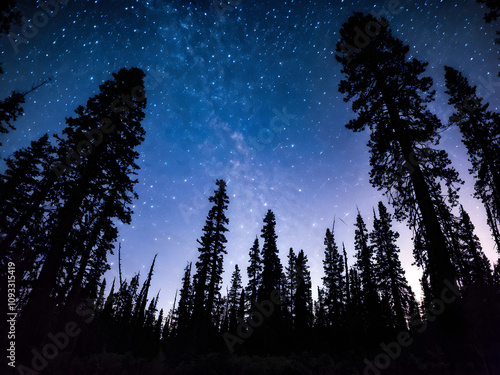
[24,241]
[159,326]
[346,268]
[477,266]
[333,281]
[390,98]
[185,307]
[209,267]
[302,296]
[355,313]
[89,180]
[365,266]
[389,274]
[234,297]
[272,268]
[99,304]
[140,313]
[480,130]
[320,320]
[289,286]
[254,271]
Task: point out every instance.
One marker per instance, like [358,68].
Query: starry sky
[247,93]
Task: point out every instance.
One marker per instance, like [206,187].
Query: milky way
[247,93]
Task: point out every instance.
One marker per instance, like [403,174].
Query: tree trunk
[440,267]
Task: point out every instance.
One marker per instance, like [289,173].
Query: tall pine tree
[390,99]
[103,162]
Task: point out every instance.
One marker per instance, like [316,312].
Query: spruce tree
[254,271]
[185,306]
[212,248]
[234,297]
[302,296]
[320,320]
[290,282]
[356,308]
[390,99]
[389,275]
[346,268]
[365,267]
[272,268]
[333,281]
[478,268]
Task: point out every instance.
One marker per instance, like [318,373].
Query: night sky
[248,95]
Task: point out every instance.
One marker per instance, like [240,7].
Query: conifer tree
[389,274]
[356,306]
[333,281]
[99,304]
[477,266]
[212,248]
[105,138]
[110,301]
[480,130]
[272,268]
[496,275]
[24,241]
[320,310]
[365,267]
[159,326]
[346,268]
[140,313]
[302,295]
[390,98]
[185,306]
[254,271]
[234,297]
[290,281]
